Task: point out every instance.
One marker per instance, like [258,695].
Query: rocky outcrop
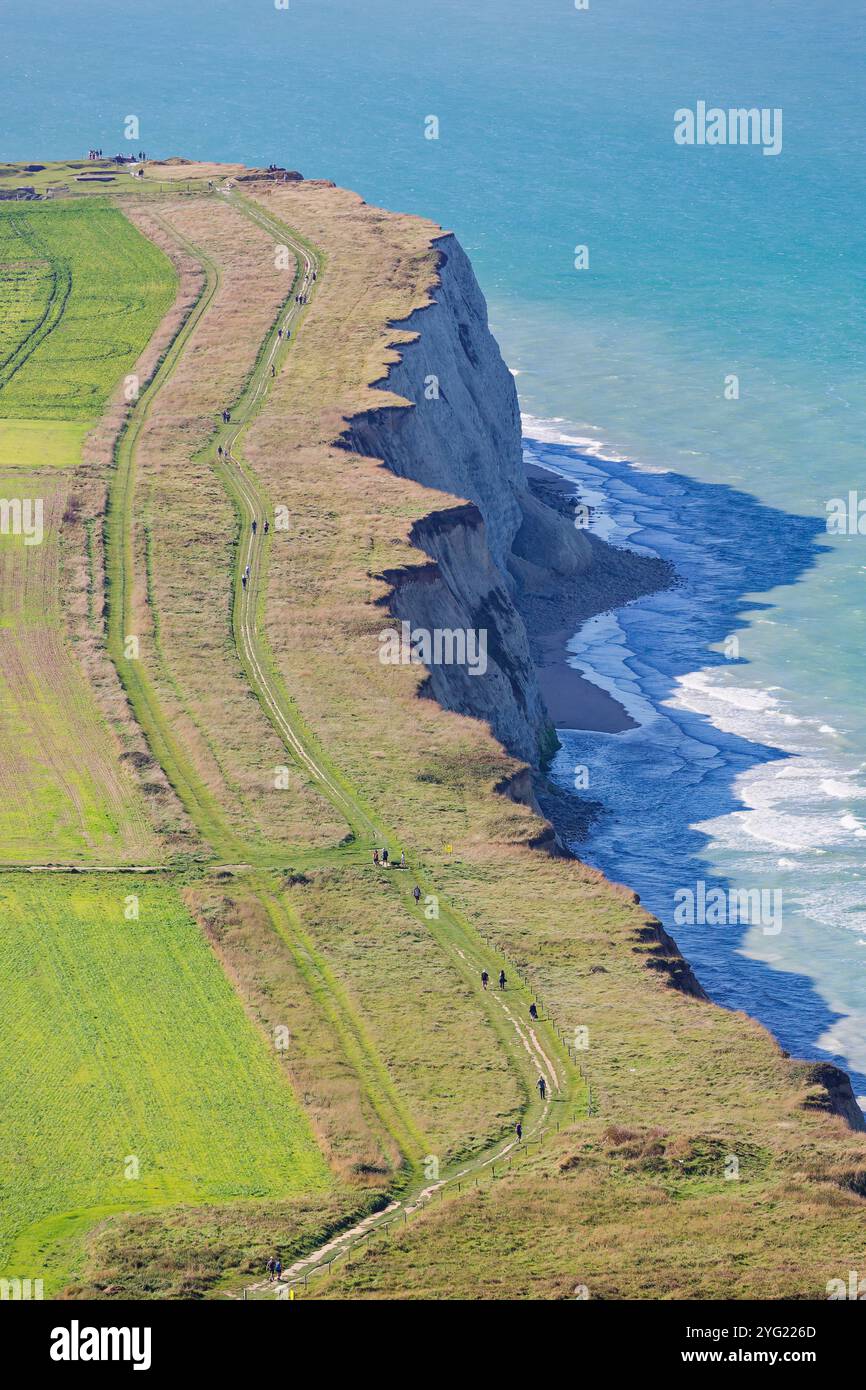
[829,1088]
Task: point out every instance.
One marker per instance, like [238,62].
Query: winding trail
[533,1050]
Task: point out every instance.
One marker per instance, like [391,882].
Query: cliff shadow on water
[706,742]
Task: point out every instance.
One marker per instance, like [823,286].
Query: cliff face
[460,434]
[464,590]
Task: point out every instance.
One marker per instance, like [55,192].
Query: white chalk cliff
[459,432]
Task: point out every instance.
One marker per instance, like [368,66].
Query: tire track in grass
[61,288]
[459,940]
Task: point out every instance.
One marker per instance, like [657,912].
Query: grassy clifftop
[706,1138]
[683,1154]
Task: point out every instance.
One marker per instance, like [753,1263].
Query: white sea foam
[549,431]
[791,810]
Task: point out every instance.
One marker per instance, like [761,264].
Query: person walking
[375,856]
[542,1087]
[278,1269]
[270,1267]
[502,979]
[533,1013]
[402,859]
[485,978]
[416,894]
[385,857]
[518,1130]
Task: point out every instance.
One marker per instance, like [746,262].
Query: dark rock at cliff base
[572,815]
[831,1090]
[662,954]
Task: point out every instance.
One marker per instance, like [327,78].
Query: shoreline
[573,701]
[714,785]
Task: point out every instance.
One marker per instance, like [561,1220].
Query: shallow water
[731,778]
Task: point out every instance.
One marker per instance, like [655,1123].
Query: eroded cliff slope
[508,556]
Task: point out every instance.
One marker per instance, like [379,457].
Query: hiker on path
[375,856]
[219,450]
[385,857]
[279,333]
[278,1269]
[270,1268]
[255,524]
[484,979]
[542,1087]
[518,1130]
[502,979]
[533,1013]
[416,893]
[267,527]
[244,580]
[273,370]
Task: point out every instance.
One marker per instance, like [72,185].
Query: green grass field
[64,794]
[127,1052]
[81,292]
[26,288]
[42,443]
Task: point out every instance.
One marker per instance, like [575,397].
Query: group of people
[255,526]
[485,979]
[274,1268]
[383,859]
[541,1087]
[541,1084]
[138,158]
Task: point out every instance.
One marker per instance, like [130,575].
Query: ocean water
[705,263]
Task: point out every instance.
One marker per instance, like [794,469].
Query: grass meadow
[65,797]
[110,287]
[138,1079]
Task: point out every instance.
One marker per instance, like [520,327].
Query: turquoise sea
[556,126]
